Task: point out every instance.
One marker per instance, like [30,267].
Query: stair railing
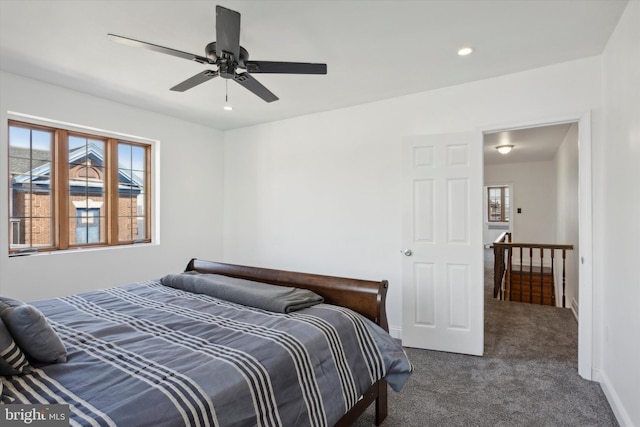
[503,250]
[499,263]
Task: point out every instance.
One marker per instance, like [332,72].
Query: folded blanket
[279,299]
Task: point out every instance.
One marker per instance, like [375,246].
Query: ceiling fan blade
[247,81]
[195,80]
[285,67]
[227,32]
[161,49]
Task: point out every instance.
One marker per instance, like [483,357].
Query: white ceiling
[374,49]
[537,144]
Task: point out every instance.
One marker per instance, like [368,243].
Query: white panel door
[443,307]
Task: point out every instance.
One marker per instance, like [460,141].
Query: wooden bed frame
[363,296]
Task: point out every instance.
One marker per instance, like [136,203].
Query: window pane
[41,182]
[77,143]
[141,228]
[30,187]
[125,229]
[20,183]
[86,151]
[87,227]
[138,158]
[495,208]
[140,204]
[41,235]
[507,214]
[19,165]
[16,233]
[30,232]
[89,178]
[131,229]
[86,191]
[132,197]
[27,144]
[41,144]
[19,201]
[19,142]
[124,156]
[498,204]
[41,204]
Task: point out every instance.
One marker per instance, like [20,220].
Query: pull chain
[227,107]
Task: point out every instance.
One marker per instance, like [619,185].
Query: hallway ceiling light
[504,148]
[465,51]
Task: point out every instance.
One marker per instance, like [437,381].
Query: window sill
[81,250]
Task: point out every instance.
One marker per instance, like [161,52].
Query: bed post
[381,402]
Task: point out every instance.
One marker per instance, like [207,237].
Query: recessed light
[465,51]
[228,107]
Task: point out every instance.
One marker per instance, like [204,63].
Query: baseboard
[575,309]
[614,400]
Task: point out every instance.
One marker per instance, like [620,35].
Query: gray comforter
[150,355]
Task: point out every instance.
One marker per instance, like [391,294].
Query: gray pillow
[12,359]
[32,332]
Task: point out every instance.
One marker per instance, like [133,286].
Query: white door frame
[585,249]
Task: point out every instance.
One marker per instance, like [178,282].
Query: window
[498,204]
[68,189]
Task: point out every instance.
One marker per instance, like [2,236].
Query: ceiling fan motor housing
[227,63]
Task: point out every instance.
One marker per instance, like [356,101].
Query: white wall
[534,192]
[567,210]
[616,218]
[190,195]
[322,193]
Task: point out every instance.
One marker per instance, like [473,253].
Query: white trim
[575,309]
[13,115]
[622,416]
[585,315]
[585,249]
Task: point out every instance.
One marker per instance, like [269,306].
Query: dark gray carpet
[528,375]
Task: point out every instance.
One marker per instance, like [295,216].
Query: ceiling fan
[227,54]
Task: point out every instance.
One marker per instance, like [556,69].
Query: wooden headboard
[364,296]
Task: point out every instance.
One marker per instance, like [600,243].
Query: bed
[158,353]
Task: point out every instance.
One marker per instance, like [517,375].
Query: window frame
[503,189]
[61,196]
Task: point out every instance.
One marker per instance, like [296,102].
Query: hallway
[528,375]
[521,330]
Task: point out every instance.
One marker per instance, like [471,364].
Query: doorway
[566,171]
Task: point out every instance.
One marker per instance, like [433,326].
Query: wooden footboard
[363,296]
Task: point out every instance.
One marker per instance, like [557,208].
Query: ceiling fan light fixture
[504,148]
[465,51]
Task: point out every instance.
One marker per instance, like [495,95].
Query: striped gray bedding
[149,355]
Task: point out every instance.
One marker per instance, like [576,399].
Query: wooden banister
[503,247]
[533,245]
[499,269]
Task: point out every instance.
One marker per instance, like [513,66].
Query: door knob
[407,252]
